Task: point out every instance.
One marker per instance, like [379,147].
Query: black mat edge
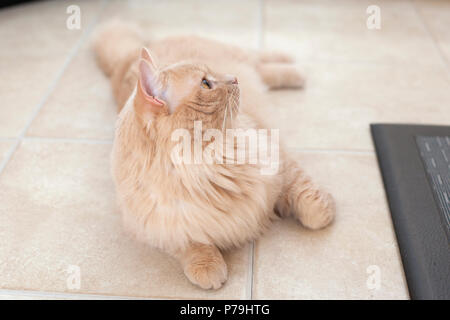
[410,196]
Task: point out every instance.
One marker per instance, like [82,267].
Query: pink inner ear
[148,95]
[147,75]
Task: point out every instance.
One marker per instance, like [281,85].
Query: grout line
[357,61]
[110,141]
[61,295]
[250,268]
[422,19]
[68,60]
[347,151]
[69,140]
[261,23]
[52,86]
[9,155]
[7,139]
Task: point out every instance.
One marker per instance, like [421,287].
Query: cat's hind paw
[316,209]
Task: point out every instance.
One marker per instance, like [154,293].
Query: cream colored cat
[192,211]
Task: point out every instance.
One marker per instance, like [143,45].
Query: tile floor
[57,204]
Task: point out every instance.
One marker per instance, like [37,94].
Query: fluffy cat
[193,211]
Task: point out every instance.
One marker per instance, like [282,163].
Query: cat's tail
[114,41]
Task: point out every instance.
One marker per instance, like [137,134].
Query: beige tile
[81,106]
[57,209]
[436,15]
[294,263]
[5,146]
[231,21]
[34,48]
[341,100]
[338,31]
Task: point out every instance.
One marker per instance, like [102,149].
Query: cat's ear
[147,104]
[145,55]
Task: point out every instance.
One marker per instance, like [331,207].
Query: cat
[194,211]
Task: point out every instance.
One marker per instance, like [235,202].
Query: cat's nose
[231,79]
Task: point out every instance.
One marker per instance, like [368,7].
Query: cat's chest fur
[170,206]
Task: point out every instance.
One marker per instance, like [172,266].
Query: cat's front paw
[316,209]
[207,274]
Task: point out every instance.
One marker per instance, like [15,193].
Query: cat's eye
[206,84]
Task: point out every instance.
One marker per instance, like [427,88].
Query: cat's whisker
[230,100]
[234,105]
[224,117]
[231,115]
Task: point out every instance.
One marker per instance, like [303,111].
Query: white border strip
[69,296]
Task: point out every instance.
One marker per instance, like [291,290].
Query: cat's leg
[301,198]
[280,75]
[203,265]
[277,70]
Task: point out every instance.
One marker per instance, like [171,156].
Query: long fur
[187,210]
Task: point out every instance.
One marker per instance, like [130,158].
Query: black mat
[415,165]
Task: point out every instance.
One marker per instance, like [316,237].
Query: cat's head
[184,92]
